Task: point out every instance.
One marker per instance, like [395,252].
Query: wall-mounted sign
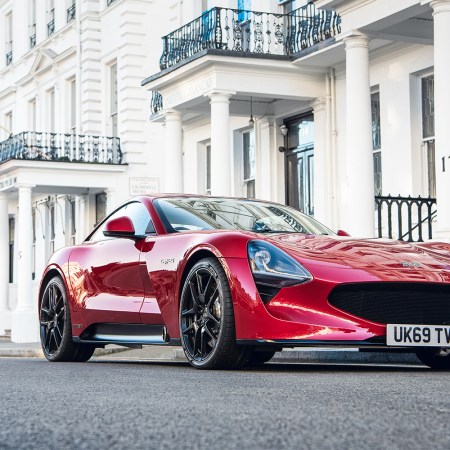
[143,185]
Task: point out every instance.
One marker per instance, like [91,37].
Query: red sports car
[235,280]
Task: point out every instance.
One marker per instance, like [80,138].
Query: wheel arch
[194,259]
[49,274]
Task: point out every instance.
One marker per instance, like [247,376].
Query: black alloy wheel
[207,319]
[52,318]
[55,326]
[435,358]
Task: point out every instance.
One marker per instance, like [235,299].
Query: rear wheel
[207,327]
[56,328]
[436,358]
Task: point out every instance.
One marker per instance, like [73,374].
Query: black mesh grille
[408,303]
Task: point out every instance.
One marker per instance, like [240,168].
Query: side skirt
[133,335]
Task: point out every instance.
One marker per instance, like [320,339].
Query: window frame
[376,147]
[248,182]
[427,142]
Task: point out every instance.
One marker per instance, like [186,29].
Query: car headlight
[273,267]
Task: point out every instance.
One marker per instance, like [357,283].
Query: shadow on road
[280,367]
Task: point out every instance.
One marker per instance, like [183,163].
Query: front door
[300,163]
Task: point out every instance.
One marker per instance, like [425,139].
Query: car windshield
[190,214]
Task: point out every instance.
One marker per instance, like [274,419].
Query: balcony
[71,13]
[33,35]
[9,53]
[250,33]
[42,146]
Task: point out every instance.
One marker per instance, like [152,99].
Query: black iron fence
[156,103]
[405,218]
[43,146]
[253,32]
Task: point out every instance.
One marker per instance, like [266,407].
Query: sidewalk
[163,353]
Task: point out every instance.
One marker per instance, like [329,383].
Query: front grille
[409,303]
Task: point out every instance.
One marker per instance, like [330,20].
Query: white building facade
[329,107]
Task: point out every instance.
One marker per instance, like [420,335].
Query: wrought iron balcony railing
[51,27]
[42,146]
[251,32]
[71,12]
[156,104]
[33,36]
[405,218]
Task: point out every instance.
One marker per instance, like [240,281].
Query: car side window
[138,214]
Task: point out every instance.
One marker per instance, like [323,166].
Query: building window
[32,114]
[73,106]
[71,11]
[243,6]
[208,169]
[51,108]
[73,224]
[52,228]
[51,17]
[428,132]
[12,224]
[100,207]
[8,39]
[32,26]
[248,147]
[114,102]
[9,122]
[376,141]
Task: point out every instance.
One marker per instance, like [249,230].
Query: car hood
[379,257]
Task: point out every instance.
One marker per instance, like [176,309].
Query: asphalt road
[126,405]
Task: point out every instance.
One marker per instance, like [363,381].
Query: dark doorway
[300,163]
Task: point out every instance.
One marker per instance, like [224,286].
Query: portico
[29,190]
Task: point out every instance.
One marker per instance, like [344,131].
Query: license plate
[418,335]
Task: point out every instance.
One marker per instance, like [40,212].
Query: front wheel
[55,326]
[207,329]
[436,358]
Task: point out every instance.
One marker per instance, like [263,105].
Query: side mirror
[342,233]
[119,227]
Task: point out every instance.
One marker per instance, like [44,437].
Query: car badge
[411,264]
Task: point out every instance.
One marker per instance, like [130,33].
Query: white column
[173,173]
[111,201]
[441,15]
[5,313]
[221,155]
[360,202]
[24,327]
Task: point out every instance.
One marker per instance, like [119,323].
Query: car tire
[206,318]
[436,358]
[56,328]
[260,357]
